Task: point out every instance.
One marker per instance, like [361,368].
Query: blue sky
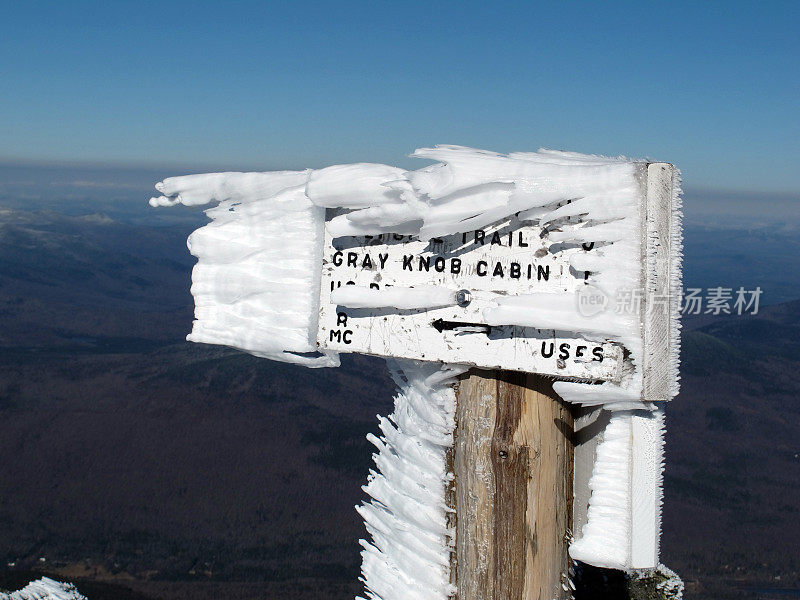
[711,86]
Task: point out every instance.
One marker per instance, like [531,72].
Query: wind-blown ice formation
[469,189]
[45,589]
[409,555]
[254,287]
[624,517]
[602,203]
[577,199]
[254,293]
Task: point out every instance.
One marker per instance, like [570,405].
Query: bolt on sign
[510,258]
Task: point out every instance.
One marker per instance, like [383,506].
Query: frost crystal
[45,589]
[409,555]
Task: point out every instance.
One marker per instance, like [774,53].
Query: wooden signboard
[509,259]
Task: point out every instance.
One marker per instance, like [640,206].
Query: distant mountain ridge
[133,457]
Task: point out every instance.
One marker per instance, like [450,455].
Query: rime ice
[409,555]
[624,518]
[252,291]
[45,589]
[615,221]
[603,214]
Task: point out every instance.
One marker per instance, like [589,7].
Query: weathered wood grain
[475,486]
[513,487]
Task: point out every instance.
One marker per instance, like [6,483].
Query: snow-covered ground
[44,589]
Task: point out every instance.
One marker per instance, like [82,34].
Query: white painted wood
[660,296]
[507,259]
[647,456]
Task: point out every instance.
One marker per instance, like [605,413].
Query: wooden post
[513,464]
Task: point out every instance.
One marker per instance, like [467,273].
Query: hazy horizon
[48,185]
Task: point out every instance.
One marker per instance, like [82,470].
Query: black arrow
[440,325]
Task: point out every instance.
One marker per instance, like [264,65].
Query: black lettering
[510,239]
[545,353]
[498,270]
[588,245]
[335,333]
[383,258]
[529,271]
[346,337]
[521,243]
[543,273]
[563,353]
[367,262]
[515,271]
[352,258]
[424,262]
[598,354]
[455,266]
[579,351]
[374,286]
[341,319]
[337,258]
[407,262]
[439,264]
[496,239]
[481,263]
[480,235]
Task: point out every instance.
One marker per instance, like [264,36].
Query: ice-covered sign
[549,262]
[425,300]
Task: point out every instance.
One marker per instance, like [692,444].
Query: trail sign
[510,258]
[544,241]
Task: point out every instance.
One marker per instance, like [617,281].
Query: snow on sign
[433,294]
